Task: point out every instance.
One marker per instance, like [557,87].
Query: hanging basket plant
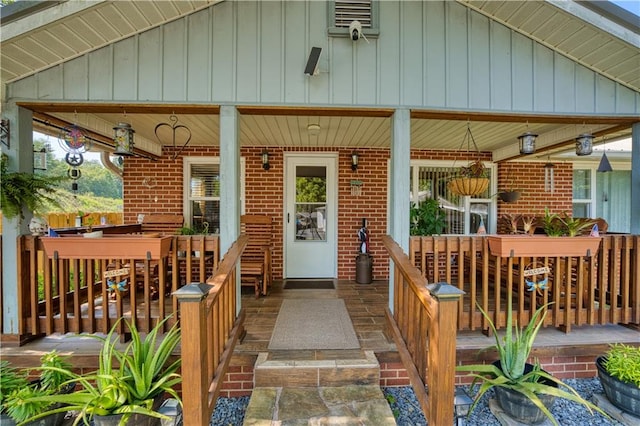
[468,185]
[471,179]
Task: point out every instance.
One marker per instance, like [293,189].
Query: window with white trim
[201,188]
[582,194]
[464,215]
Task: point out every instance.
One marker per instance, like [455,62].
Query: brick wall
[529,179]
[264,195]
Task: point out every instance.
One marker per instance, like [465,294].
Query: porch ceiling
[349,128]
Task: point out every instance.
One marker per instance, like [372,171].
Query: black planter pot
[625,396]
[519,406]
[509,196]
[134,420]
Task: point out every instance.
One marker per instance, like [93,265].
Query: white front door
[310,216]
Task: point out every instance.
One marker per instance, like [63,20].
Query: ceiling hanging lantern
[123,139]
[584,144]
[527,142]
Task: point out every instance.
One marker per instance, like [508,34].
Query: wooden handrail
[210,330]
[423,325]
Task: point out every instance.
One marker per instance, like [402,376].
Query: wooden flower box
[107,247]
[542,245]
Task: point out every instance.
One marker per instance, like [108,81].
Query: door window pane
[311,203]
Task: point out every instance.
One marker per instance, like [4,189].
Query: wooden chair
[164,224]
[255,263]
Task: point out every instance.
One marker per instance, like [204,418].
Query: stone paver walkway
[343,405]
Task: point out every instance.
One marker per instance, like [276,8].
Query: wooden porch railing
[602,289]
[210,329]
[72,295]
[423,326]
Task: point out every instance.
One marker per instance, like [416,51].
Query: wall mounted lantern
[265,160]
[584,144]
[40,159]
[355,158]
[123,139]
[527,142]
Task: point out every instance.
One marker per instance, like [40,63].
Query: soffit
[46,37]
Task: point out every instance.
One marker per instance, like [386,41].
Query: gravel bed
[230,411]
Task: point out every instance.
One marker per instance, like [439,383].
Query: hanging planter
[468,185]
[471,179]
[509,196]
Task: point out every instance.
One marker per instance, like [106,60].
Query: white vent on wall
[354,10]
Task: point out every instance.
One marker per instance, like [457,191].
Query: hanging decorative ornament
[173,131]
[549,183]
[605,165]
[74,139]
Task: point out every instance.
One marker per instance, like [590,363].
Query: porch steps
[342,388]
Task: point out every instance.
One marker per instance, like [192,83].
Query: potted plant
[20,404]
[129,384]
[428,218]
[470,180]
[11,380]
[564,230]
[619,373]
[523,390]
[509,195]
[21,190]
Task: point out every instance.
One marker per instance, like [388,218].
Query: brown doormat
[313,324]
[308,285]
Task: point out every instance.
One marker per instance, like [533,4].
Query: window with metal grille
[342,13]
[463,215]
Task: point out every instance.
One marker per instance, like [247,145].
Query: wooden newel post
[195,377]
[441,372]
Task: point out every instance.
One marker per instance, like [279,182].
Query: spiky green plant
[623,362]
[126,382]
[11,379]
[514,349]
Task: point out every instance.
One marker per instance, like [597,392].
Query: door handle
[287,217]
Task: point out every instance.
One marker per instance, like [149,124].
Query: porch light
[313,129]
[527,142]
[461,405]
[354,160]
[584,144]
[265,160]
[123,139]
[40,159]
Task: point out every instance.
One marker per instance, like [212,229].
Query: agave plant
[514,349]
[126,382]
